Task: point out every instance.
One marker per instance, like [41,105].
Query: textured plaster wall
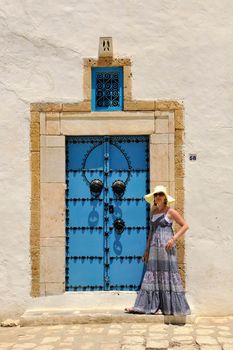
[181,50]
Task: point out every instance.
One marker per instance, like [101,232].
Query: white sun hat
[150,197]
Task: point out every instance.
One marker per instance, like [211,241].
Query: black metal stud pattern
[91,171]
[132,228]
[129,257]
[128,170]
[83,199]
[126,199]
[124,287]
[83,258]
[85,228]
[84,288]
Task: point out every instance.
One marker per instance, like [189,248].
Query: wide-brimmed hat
[150,197]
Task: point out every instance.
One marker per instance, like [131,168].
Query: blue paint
[97,256]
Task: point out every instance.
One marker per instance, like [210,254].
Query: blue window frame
[107,89]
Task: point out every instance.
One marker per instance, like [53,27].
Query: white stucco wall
[181,50]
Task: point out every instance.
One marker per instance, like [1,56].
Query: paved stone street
[205,334]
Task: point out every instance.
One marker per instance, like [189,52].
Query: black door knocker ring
[96,187]
[119,225]
[118,188]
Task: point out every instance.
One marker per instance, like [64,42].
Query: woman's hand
[145,257]
[170,244]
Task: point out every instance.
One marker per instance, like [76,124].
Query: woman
[161,290]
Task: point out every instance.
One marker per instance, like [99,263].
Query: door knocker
[96,187]
[118,188]
[119,225]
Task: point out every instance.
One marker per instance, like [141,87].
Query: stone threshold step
[52,316]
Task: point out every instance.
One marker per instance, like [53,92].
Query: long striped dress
[161,287]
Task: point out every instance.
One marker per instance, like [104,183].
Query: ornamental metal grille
[107,89]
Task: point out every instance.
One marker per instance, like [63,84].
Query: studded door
[106,215]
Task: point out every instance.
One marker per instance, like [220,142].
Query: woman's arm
[173,214]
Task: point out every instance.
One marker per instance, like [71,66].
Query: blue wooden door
[106,215]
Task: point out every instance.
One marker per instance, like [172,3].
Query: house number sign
[192,156]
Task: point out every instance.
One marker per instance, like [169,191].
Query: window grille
[107,89]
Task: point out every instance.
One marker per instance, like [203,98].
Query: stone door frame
[51,123]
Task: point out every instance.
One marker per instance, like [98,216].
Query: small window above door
[107,89]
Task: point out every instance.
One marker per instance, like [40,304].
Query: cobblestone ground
[205,334]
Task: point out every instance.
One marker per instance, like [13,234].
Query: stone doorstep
[52,316]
